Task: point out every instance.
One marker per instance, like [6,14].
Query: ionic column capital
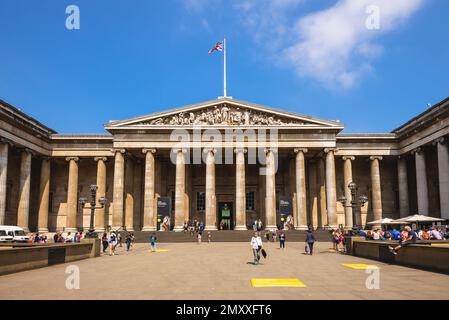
[177,150]
[243,150]
[122,151]
[104,159]
[327,150]
[151,150]
[440,140]
[6,141]
[372,158]
[207,150]
[417,150]
[68,159]
[273,150]
[344,158]
[303,150]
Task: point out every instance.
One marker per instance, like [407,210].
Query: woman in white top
[256,246]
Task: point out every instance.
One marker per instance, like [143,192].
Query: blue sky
[132,58]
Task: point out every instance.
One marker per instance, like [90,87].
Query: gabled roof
[240,113]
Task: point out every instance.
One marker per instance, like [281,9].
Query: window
[200,201]
[250,201]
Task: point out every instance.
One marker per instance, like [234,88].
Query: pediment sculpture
[222,115]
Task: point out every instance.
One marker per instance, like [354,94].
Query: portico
[223,162]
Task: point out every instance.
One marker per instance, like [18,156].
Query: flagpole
[224,67]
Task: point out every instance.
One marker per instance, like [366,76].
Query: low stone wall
[429,255]
[20,257]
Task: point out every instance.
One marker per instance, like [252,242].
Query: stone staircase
[225,236]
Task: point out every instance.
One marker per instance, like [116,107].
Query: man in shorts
[410,239]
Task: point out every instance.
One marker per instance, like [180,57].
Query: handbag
[264,253]
[306,248]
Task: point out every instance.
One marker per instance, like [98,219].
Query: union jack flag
[218,47]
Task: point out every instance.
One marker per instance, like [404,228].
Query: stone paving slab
[222,271]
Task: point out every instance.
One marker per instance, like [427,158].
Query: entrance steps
[226,236]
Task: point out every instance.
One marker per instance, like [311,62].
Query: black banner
[164,213]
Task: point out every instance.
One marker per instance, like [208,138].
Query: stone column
[240,187]
[72,195]
[376,187]
[301,202]
[119,187]
[270,194]
[347,172]
[180,189]
[4,146]
[129,195]
[101,192]
[404,209]
[44,195]
[321,185]
[331,189]
[421,182]
[443,175]
[149,204]
[211,211]
[23,212]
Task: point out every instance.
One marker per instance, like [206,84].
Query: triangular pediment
[223,113]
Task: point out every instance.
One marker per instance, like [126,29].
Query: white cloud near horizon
[331,46]
[335,47]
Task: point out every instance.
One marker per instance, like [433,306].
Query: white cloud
[335,47]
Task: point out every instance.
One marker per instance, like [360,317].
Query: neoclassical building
[303,165]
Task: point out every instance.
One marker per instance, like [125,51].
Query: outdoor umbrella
[383,221]
[417,218]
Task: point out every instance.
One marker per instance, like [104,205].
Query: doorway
[225,215]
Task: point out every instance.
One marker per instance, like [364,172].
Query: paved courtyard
[222,271]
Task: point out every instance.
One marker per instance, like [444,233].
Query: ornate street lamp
[355,203]
[93,202]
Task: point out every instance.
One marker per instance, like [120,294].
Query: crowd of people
[196,228]
[431,233]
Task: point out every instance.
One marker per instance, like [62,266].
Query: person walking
[209,237]
[104,240]
[310,240]
[199,237]
[119,239]
[128,241]
[282,240]
[112,243]
[256,246]
[153,240]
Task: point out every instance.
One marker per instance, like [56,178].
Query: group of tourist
[38,238]
[196,228]
[432,233]
[114,240]
[257,225]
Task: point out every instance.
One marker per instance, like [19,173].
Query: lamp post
[355,203]
[93,202]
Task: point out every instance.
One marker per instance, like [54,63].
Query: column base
[241,228]
[301,227]
[210,228]
[71,230]
[149,228]
[100,230]
[271,227]
[178,228]
[42,230]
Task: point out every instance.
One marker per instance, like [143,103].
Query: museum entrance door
[225,215]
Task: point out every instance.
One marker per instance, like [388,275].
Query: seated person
[408,237]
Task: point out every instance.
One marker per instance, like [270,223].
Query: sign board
[163,211]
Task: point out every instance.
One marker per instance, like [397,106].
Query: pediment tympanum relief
[221,114]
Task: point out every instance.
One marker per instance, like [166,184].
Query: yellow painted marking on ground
[159,250]
[359,266]
[259,283]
